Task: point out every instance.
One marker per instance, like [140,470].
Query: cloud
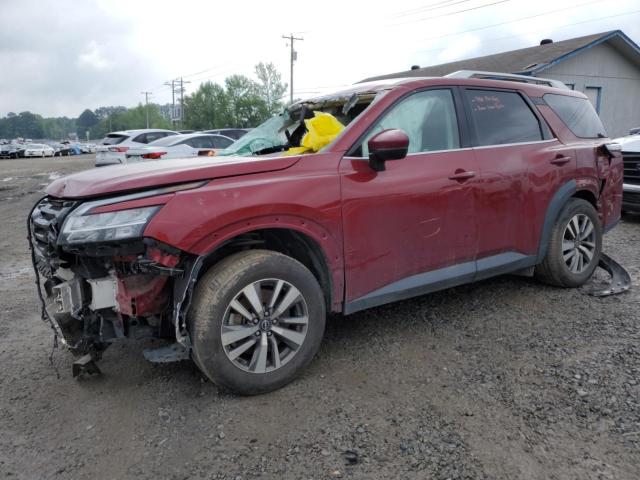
[93,57]
[58,58]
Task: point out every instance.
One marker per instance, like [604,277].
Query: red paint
[426,211]
[142,295]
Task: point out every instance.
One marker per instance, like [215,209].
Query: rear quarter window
[577,114]
[113,139]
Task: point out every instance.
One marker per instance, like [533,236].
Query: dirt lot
[504,379]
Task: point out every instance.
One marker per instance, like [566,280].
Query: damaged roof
[527,61]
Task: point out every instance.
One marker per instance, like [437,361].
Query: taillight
[118,149]
[153,155]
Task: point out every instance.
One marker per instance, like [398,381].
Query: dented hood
[139,176]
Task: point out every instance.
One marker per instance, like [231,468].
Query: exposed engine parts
[106,294]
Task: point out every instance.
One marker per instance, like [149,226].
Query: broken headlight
[82,226]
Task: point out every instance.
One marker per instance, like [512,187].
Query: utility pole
[294,57]
[173,101]
[146,104]
[182,82]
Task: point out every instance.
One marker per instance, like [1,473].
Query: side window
[578,114]
[221,142]
[142,138]
[428,118]
[502,117]
[200,142]
[152,136]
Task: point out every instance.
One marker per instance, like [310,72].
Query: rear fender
[559,199]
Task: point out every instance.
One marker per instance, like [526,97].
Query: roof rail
[512,77]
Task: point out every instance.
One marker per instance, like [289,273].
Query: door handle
[462,175]
[560,160]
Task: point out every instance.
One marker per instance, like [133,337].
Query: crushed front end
[100,280]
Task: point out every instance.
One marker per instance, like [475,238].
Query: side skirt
[442,279]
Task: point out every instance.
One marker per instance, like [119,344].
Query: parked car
[234,133]
[180,146]
[38,150]
[9,150]
[631,155]
[438,182]
[74,149]
[88,147]
[116,144]
[61,149]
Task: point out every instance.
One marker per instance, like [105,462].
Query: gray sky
[58,58]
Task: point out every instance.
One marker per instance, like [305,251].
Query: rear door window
[202,141]
[578,115]
[220,142]
[500,117]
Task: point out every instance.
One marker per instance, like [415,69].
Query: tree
[85,122]
[247,108]
[207,107]
[270,86]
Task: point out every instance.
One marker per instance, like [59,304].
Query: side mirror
[391,144]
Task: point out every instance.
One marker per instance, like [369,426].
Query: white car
[88,147]
[180,146]
[631,160]
[38,150]
[115,145]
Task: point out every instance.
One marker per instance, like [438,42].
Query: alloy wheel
[265,325]
[579,243]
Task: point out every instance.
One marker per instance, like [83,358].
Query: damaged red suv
[433,182]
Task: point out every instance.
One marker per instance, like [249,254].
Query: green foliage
[85,122]
[241,102]
[207,107]
[25,124]
[128,119]
[270,86]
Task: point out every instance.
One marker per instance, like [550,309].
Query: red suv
[434,182]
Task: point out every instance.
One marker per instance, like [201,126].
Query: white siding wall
[619,81]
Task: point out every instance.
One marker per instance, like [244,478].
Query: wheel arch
[296,243]
[557,202]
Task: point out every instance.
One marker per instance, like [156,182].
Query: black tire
[213,294]
[553,269]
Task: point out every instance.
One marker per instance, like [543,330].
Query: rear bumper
[109,158]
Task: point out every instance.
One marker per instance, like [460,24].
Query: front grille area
[631,168]
[631,199]
[46,222]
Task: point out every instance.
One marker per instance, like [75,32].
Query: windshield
[287,129]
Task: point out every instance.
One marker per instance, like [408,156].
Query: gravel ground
[503,379]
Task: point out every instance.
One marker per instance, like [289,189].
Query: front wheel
[257,320]
[574,247]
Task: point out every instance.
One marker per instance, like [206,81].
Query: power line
[536,31]
[433,6]
[509,21]
[449,13]
[293,58]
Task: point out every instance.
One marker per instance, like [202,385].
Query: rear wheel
[257,320]
[574,248]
